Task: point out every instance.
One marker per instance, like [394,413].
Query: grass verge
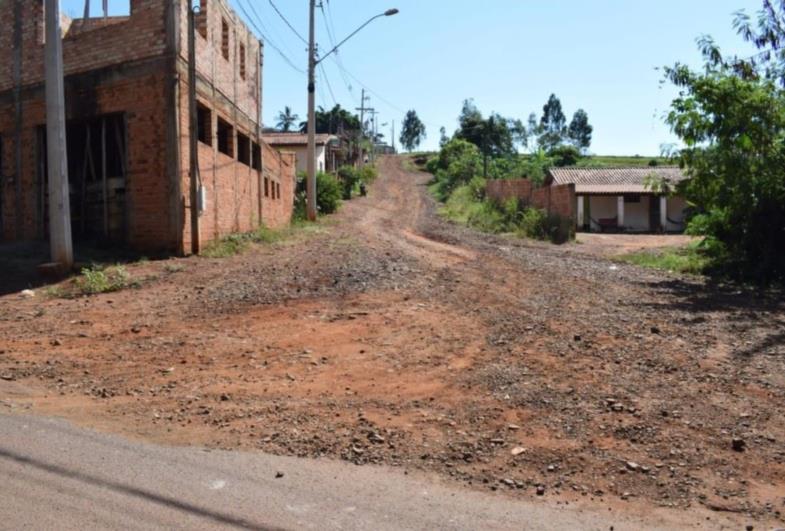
[235,244]
[690,259]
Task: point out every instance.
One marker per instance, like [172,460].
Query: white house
[621,199]
[298,144]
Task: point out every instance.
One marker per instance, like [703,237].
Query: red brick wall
[221,74]
[279,169]
[501,189]
[558,200]
[140,36]
[120,66]
[141,97]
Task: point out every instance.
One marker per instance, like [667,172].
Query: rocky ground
[390,336]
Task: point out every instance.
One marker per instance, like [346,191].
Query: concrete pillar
[579,220]
[664,212]
[620,210]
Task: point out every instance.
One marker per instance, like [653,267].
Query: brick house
[126,93]
[621,199]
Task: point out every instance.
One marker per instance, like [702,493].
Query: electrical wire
[287,22]
[265,38]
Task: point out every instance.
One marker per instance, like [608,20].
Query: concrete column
[664,212]
[620,210]
[579,220]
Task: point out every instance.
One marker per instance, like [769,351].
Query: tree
[286,119]
[579,132]
[493,136]
[413,131]
[553,124]
[731,118]
[335,121]
[533,131]
[443,139]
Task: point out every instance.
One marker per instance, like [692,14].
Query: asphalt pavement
[54,475]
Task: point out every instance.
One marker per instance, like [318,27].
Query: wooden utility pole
[57,156]
[311,162]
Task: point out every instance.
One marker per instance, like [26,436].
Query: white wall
[600,206]
[636,215]
[676,207]
[302,159]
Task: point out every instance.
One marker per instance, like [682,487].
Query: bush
[565,155]
[96,279]
[328,194]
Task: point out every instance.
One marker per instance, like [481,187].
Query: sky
[508,55]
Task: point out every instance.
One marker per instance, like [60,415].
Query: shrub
[328,193]
[96,279]
[565,155]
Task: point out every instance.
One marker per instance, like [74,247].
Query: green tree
[553,124]
[493,136]
[731,118]
[443,138]
[335,121]
[413,131]
[286,119]
[579,132]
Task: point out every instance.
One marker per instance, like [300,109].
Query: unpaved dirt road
[392,337]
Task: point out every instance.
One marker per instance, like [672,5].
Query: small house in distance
[621,199]
[327,152]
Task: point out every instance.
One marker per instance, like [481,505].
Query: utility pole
[311,162]
[193,133]
[57,156]
[393,136]
[374,131]
[362,110]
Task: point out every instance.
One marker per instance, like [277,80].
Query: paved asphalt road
[54,475]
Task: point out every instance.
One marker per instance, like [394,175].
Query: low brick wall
[502,189]
[558,199]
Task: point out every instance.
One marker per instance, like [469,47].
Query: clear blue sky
[509,55]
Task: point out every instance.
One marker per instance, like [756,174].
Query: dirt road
[393,337]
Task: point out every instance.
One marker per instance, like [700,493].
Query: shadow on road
[135,492]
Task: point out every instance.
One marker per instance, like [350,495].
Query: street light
[312,63]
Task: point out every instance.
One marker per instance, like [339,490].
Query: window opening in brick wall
[242,61]
[243,149]
[256,157]
[225,38]
[201,19]
[266,187]
[204,122]
[278,190]
[225,138]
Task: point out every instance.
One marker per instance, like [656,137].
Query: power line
[287,22]
[265,37]
[327,82]
[336,58]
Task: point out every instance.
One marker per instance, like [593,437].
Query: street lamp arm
[387,13]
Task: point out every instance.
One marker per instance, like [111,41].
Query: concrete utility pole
[311,162]
[312,63]
[193,130]
[393,136]
[362,110]
[57,156]
[374,131]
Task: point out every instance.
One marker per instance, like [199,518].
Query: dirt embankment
[393,337]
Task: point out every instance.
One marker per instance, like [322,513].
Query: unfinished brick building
[127,111]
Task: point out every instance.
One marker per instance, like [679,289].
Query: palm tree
[286,119]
